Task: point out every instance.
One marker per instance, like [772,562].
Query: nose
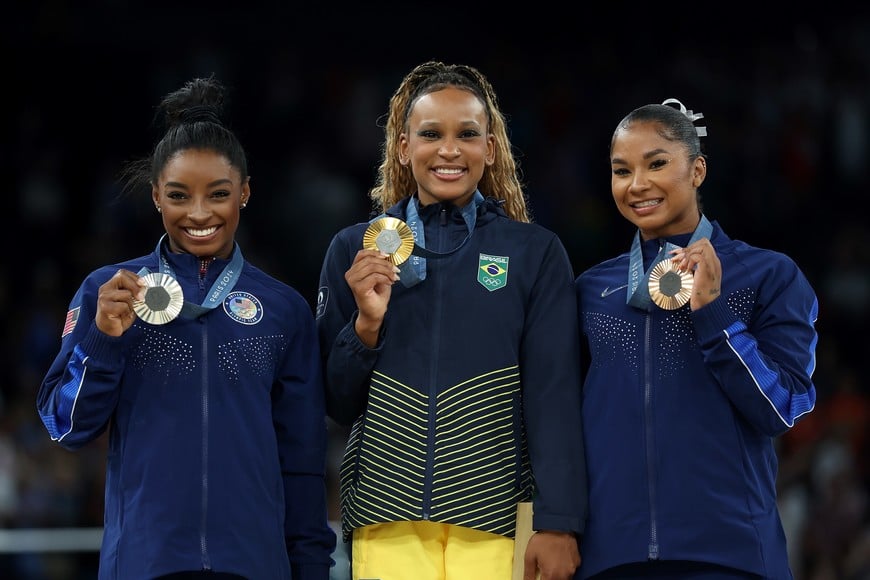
[449,148]
[199,210]
[638,181]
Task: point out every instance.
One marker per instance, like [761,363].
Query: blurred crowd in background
[786,106]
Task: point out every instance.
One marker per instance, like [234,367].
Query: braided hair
[396,181]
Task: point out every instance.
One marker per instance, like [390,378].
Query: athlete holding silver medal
[206,372]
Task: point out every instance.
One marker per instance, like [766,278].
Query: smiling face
[199,195]
[448,144]
[654,182]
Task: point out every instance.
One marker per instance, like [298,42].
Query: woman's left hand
[551,556]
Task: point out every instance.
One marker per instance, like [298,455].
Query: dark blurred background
[785,99]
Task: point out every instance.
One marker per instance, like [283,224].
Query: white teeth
[647,203]
[449,171]
[202,233]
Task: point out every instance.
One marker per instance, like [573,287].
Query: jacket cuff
[711,321]
[348,337]
[555,523]
[105,350]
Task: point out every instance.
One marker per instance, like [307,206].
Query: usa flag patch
[70,323]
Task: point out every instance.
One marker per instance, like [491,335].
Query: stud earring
[159,209]
[243,204]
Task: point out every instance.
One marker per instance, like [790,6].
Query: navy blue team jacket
[471,400]
[681,410]
[213,423]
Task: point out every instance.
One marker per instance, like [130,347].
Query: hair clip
[702,131]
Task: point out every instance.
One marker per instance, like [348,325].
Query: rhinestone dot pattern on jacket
[257,355]
[605,331]
[160,353]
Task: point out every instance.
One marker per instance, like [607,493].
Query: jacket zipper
[203,538]
[653,550]
[433,374]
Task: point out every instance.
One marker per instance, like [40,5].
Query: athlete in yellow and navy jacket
[470,402]
[214,421]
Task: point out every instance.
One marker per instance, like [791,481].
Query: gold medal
[669,287]
[391,236]
[163,299]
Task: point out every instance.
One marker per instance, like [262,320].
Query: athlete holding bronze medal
[700,351]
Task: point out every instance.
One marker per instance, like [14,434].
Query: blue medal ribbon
[413,270]
[224,284]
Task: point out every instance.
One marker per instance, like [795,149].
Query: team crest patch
[243,307]
[492,271]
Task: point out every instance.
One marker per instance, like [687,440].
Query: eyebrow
[654,152]
[438,122]
[646,155]
[214,183]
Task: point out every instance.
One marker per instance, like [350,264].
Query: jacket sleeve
[348,363]
[552,382]
[80,391]
[299,416]
[765,365]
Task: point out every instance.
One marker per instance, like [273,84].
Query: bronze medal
[669,287]
[163,299]
[391,236]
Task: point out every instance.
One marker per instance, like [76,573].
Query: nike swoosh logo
[608,291]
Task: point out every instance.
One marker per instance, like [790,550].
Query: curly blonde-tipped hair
[500,180]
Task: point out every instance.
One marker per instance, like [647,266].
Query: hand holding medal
[117,300]
[371,276]
[701,264]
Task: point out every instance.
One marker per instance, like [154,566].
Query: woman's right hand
[115,302]
[371,278]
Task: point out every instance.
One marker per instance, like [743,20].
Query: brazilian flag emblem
[492,271]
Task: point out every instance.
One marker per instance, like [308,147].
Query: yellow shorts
[429,551]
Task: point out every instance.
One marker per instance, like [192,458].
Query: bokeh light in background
[786,102]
